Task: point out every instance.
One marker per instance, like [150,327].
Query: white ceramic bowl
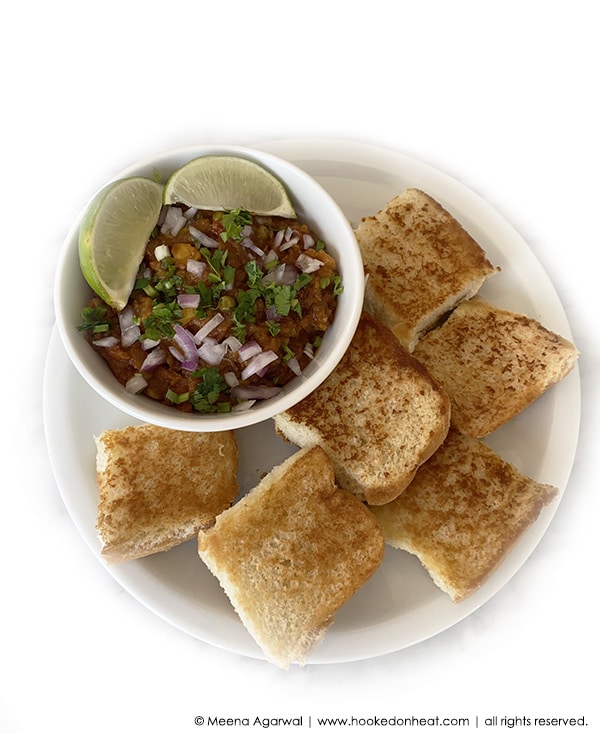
[313,205]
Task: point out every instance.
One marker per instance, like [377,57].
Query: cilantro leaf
[208,390]
[159,323]
[94,319]
[254,273]
[234,221]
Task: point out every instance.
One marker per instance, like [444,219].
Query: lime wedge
[224,182]
[113,235]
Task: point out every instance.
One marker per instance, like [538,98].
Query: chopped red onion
[161,252]
[271,314]
[136,384]
[257,363]
[283,274]
[294,365]
[174,221]
[148,344]
[106,342]
[130,331]
[209,326]
[289,243]
[191,212]
[212,353]
[247,230]
[308,241]
[278,239]
[258,392]
[271,257]
[231,379]
[308,264]
[155,358]
[309,351]
[249,244]
[195,267]
[126,318]
[188,300]
[186,348]
[190,365]
[241,406]
[248,350]
[203,238]
[232,343]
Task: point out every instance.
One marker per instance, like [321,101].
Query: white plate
[399,606]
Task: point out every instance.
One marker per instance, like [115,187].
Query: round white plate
[399,606]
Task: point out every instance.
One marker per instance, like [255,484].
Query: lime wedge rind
[113,234]
[223,182]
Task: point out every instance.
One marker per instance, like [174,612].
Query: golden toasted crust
[420,264]
[159,486]
[493,363]
[291,553]
[464,511]
[378,416]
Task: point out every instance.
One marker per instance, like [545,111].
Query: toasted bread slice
[158,487]
[420,262]
[463,513]
[378,416]
[291,552]
[493,363]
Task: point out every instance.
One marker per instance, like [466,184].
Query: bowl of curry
[234,316]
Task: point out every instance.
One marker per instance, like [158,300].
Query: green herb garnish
[177,399]
[94,319]
[159,324]
[208,390]
[274,327]
[234,221]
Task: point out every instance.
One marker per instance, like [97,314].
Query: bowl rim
[147,410]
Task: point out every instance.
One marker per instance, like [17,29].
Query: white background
[503,96]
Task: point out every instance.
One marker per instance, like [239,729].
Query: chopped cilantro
[216,259]
[302,281]
[228,275]
[208,390]
[280,296]
[220,277]
[159,324]
[254,273]
[284,298]
[274,327]
[244,311]
[287,352]
[94,319]
[234,221]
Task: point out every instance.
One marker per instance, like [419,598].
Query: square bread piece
[463,513]
[493,363]
[420,262]
[158,487]
[291,552]
[378,416]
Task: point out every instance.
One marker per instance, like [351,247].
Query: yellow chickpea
[184,251]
